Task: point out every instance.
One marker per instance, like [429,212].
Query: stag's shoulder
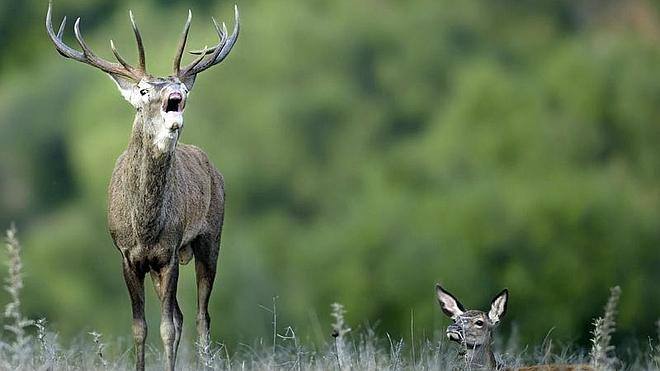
[116,177]
[195,159]
[119,161]
[192,153]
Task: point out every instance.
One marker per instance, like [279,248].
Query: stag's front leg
[169,276]
[178,315]
[135,282]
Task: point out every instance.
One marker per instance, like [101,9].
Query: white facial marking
[168,132]
[172,122]
[165,139]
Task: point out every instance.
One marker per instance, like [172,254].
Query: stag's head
[159,101]
[471,328]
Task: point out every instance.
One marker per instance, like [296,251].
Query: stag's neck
[479,357]
[150,182]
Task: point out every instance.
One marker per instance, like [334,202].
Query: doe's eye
[144,91]
[479,323]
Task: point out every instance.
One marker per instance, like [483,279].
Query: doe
[473,329]
[165,199]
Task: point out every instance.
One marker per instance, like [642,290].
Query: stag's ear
[189,81]
[126,87]
[498,307]
[449,304]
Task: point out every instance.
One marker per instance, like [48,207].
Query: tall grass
[26,344]
[602,351]
[16,350]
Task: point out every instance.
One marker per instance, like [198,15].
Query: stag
[165,198]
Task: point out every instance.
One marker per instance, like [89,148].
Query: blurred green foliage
[370,149]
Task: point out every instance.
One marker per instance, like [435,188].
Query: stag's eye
[479,323]
[144,91]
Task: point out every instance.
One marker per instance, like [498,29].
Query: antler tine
[140,46]
[222,32]
[182,44]
[141,70]
[61,47]
[60,32]
[86,56]
[199,59]
[92,58]
[119,58]
[206,51]
[220,51]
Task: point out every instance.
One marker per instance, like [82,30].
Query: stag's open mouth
[173,103]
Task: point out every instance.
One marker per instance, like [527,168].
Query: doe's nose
[455,332]
[454,328]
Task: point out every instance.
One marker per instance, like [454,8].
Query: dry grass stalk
[602,351]
[339,330]
[16,323]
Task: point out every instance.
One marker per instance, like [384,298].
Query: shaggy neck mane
[149,182]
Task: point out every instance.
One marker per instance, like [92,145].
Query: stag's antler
[216,54]
[88,57]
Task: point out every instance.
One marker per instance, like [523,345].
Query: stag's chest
[132,224]
[148,218]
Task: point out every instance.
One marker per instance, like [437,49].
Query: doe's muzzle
[454,332]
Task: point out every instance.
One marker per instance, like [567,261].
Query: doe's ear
[498,306]
[449,304]
[126,87]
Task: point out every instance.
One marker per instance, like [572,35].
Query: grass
[602,351]
[27,344]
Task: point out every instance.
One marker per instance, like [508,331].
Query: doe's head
[472,328]
[160,99]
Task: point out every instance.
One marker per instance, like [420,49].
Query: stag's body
[162,208]
[165,199]
[156,201]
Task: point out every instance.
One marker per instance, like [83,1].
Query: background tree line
[370,149]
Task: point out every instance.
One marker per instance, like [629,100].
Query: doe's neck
[479,357]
